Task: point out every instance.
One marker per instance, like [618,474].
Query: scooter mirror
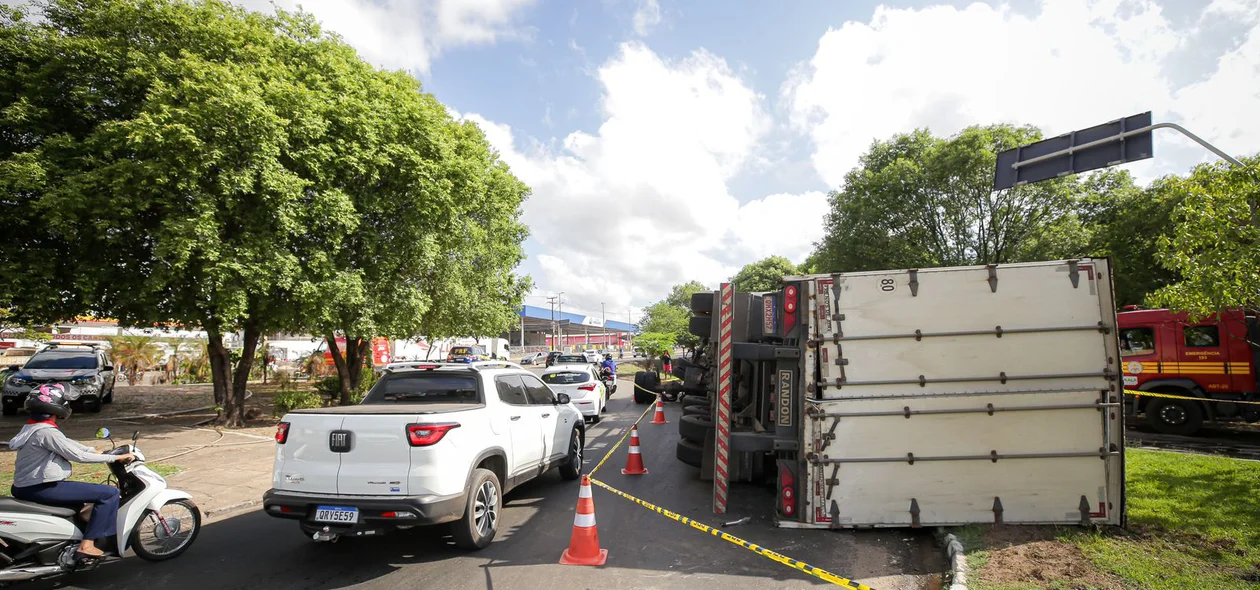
[102,433]
[135,436]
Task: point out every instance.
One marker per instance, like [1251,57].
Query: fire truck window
[1137,341]
[1202,336]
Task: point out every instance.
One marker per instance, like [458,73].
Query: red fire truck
[1211,359]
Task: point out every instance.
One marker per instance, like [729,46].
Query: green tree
[655,344]
[1126,223]
[134,354]
[917,200]
[764,275]
[1215,243]
[672,315]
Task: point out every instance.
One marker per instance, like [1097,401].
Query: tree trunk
[234,409]
[342,373]
[356,352]
[220,369]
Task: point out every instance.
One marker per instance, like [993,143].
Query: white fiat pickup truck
[432,444]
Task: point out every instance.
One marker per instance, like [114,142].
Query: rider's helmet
[51,399]
[608,356]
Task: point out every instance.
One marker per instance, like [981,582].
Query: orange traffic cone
[634,461]
[659,418]
[584,544]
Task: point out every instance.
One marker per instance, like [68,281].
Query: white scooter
[39,541]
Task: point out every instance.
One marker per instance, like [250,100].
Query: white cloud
[409,34]
[1073,64]
[623,214]
[648,15]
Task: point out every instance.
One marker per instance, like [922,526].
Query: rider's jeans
[72,494]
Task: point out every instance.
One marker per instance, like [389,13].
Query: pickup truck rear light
[282,432]
[787,492]
[423,435]
[588,387]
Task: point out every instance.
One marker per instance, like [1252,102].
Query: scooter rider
[608,364]
[43,467]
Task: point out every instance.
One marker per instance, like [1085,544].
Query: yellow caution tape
[817,572]
[1191,398]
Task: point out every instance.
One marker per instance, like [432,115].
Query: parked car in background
[84,367]
[533,358]
[591,356]
[583,387]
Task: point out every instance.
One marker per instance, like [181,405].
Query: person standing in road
[666,364]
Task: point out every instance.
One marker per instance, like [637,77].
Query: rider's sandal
[79,555]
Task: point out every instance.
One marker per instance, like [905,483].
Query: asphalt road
[645,550]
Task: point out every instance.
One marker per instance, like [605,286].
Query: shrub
[286,401]
[329,387]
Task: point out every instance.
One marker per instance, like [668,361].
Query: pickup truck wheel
[572,467]
[691,400]
[1174,416]
[695,427]
[690,452]
[481,515]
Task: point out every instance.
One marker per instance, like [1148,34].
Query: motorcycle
[157,522]
[609,379]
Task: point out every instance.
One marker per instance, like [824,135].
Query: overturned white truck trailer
[915,398]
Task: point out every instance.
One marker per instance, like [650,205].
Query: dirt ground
[1020,555]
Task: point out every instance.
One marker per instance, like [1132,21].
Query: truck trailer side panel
[963,395]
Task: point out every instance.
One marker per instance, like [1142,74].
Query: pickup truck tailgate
[378,456]
[305,463]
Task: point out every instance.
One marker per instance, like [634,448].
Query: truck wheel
[476,529]
[697,410]
[695,427]
[690,452]
[691,400]
[702,303]
[643,393]
[572,467]
[1174,416]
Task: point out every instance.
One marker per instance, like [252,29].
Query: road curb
[956,557]
[237,507]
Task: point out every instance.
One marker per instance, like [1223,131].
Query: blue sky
[668,140]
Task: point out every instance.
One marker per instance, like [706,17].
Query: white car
[592,356]
[431,445]
[533,358]
[581,383]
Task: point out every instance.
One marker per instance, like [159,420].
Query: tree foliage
[134,354]
[672,315]
[655,344]
[764,275]
[1215,246]
[1126,223]
[164,161]
[917,200]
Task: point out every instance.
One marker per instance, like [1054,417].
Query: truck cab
[1166,352]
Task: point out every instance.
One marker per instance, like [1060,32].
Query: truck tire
[695,428]
[1174,416]
[690,452]
[646,384]
[702,303]
[701,326]
[477,527]
[697,410]
[692,400]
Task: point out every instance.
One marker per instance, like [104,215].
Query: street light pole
[603,324]
[560,304]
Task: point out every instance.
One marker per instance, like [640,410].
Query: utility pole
[552,301]
[603,323]
[560,305]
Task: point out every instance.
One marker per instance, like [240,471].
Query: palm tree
[135,354]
